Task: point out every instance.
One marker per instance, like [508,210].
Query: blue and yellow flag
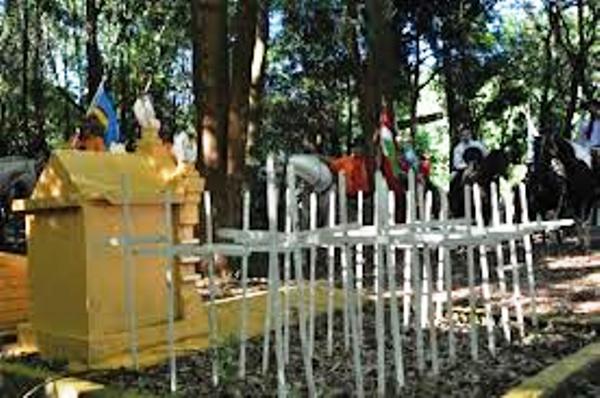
[102,107]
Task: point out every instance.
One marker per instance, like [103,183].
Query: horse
[482,171]
[564,180]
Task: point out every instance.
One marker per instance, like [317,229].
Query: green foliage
[492,63]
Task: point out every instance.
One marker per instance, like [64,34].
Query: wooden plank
[14,290]
[19,302]
[12,294]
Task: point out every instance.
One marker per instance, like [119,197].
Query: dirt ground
[568,301]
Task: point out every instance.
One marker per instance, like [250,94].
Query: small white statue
[184,148]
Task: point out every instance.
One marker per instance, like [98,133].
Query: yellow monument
[78,291]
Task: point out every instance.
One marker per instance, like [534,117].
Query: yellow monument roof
[73,177]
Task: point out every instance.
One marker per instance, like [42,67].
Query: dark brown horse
[575,192]
[482,171]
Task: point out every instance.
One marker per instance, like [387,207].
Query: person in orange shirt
[90,138]
[357,168]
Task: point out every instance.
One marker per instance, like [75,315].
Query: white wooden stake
[330,276]
[169,276]
[485,274]
[312,265]
[352,296]
[274,275]
[433,345]
[422,269]
[508,203]
[528,255]
[391,263]
[212,314]
[129,270]
[407,292]
[308,368]
[342,204]
[443,216]
[360,261]
[417,275]
[244,321]
[380,220]
[267,326]
[471,277]
[287,259]
[504,315]
[448,283]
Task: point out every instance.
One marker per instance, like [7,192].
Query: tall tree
[25,44]
[38,81]
[211,74]
[244,38]
[576,48]
[257,76]
[94,58]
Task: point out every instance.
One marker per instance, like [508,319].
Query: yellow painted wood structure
[77,278]
[14,291]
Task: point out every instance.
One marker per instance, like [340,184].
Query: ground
[568,303]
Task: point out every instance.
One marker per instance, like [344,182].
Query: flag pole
[95,98]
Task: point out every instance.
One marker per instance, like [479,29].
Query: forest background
[253,76]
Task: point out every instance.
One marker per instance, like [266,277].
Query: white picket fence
[418,239]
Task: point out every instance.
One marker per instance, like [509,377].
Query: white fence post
[471,276]
[380,220]
[504,317]
[394,316]
[528,255]
[360,263]
[287,265]
[448,282]
[308,368]
[212,314]
[343,210]
[244,321]
[274,275]
[330,276]
[350,292]
[433,344]
[485,274]
[312,265]
[514,264]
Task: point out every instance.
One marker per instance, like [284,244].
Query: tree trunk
[94,58]
[450,94]
[211,69]
[366,87]
[414,100]
[25,66]
[544,117]
[245,28]
[577,62]
[245,21]
[39,140]
[211,89]
[257,81]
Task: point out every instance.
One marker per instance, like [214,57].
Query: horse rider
[589,129]
[589,134]
[466,142]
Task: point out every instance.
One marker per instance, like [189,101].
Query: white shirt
[457,157]
[594,137]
